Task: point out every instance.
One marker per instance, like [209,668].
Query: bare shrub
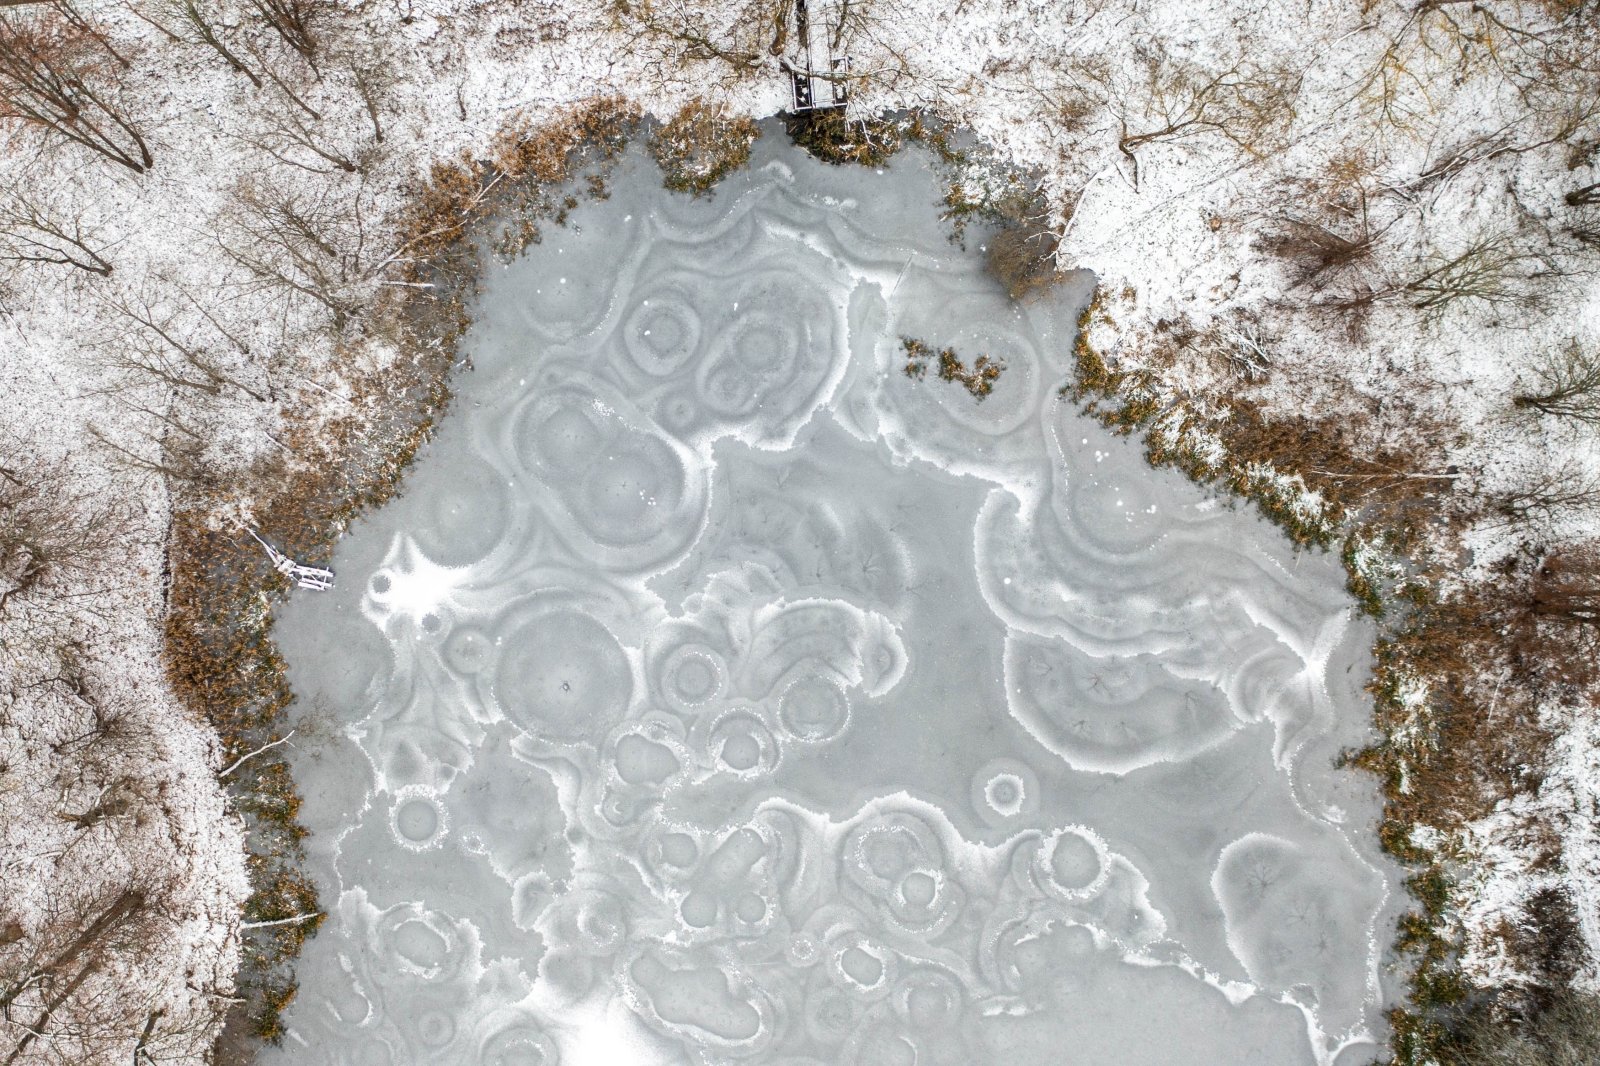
[1566,1032]
[1548,943]
[52,533]
[1245,351]
[298,139]
[1493,271]
[1585,229]
[1022,258]
[1318,256]
[700,145]
[178,458]
[1538,51]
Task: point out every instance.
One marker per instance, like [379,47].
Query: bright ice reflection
[715,692]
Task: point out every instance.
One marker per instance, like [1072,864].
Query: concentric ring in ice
[717,693]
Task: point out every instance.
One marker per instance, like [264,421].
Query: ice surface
[717,693]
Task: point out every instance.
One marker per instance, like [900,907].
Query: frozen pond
[718,693]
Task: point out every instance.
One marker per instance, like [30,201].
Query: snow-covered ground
[1175,143]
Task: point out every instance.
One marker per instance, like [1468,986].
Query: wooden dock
[816,88]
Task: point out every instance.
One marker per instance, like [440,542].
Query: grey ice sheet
[715,693]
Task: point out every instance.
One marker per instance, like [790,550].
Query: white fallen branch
[307,577]
[251,754]
[281,921]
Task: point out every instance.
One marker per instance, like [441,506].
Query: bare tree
[739,42]
[293,140]
[1568,385]
[82,25]
[371,83]
[295,22]
[181,459]
[1588,194]
[61,995]
[182,348]
[202,23]
[1022,258]
[65,954]
[1490,270]
[35,227]
[47,75]
[303,244]
[1557,489]
[1493,270]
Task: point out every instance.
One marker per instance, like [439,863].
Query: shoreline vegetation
[1348,259]
[219,654]
[1448,751]
[1451,749]
[1311,481]
[1270,472]
[1297,476]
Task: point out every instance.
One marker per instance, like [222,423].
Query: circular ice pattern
[418,819]
[563,676]
[718,693]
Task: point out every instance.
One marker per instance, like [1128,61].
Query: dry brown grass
[978,379]
[833,138]
[518,186]
[700,145]
[1563,1030]
[1460,705]
[1395,484]
[1566,591]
